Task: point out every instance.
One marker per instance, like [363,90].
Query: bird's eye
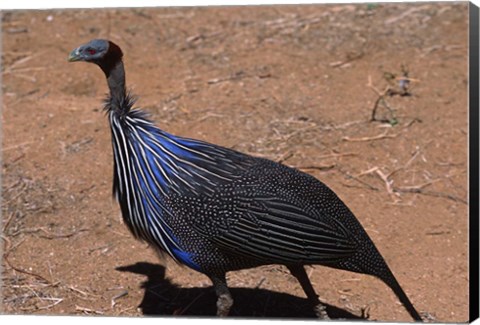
[91,51]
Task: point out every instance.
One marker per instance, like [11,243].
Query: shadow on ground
[164,298]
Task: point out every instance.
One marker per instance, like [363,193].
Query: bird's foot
[427,317]
[321,311]
[224,303]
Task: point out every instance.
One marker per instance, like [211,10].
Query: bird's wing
[272,229]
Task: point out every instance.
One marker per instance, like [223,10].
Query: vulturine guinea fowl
[217,210]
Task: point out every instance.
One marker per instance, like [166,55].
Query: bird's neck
[115,74]
[116,81]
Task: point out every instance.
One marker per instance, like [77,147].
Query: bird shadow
[163,298]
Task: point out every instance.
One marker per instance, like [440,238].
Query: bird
[217,210]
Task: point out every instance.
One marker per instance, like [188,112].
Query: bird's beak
[74,56]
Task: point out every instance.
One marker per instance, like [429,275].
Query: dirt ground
[296,84]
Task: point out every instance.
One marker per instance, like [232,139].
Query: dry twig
[38,276]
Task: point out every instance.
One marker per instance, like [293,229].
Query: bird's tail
[377,266]
[383,272]
[369,261]
[392,282]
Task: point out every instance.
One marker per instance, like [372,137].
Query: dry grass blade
[18,62]
[384,135]
[83,294]
[325,167]
[7,223]
[335,155]
[404,14]
[56,302]
[350,58]
[50,235]
[413,189]
[355,178]
[20,145]
[88,311]
[13,70]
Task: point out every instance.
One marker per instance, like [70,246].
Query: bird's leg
[224,298]
[299,272]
